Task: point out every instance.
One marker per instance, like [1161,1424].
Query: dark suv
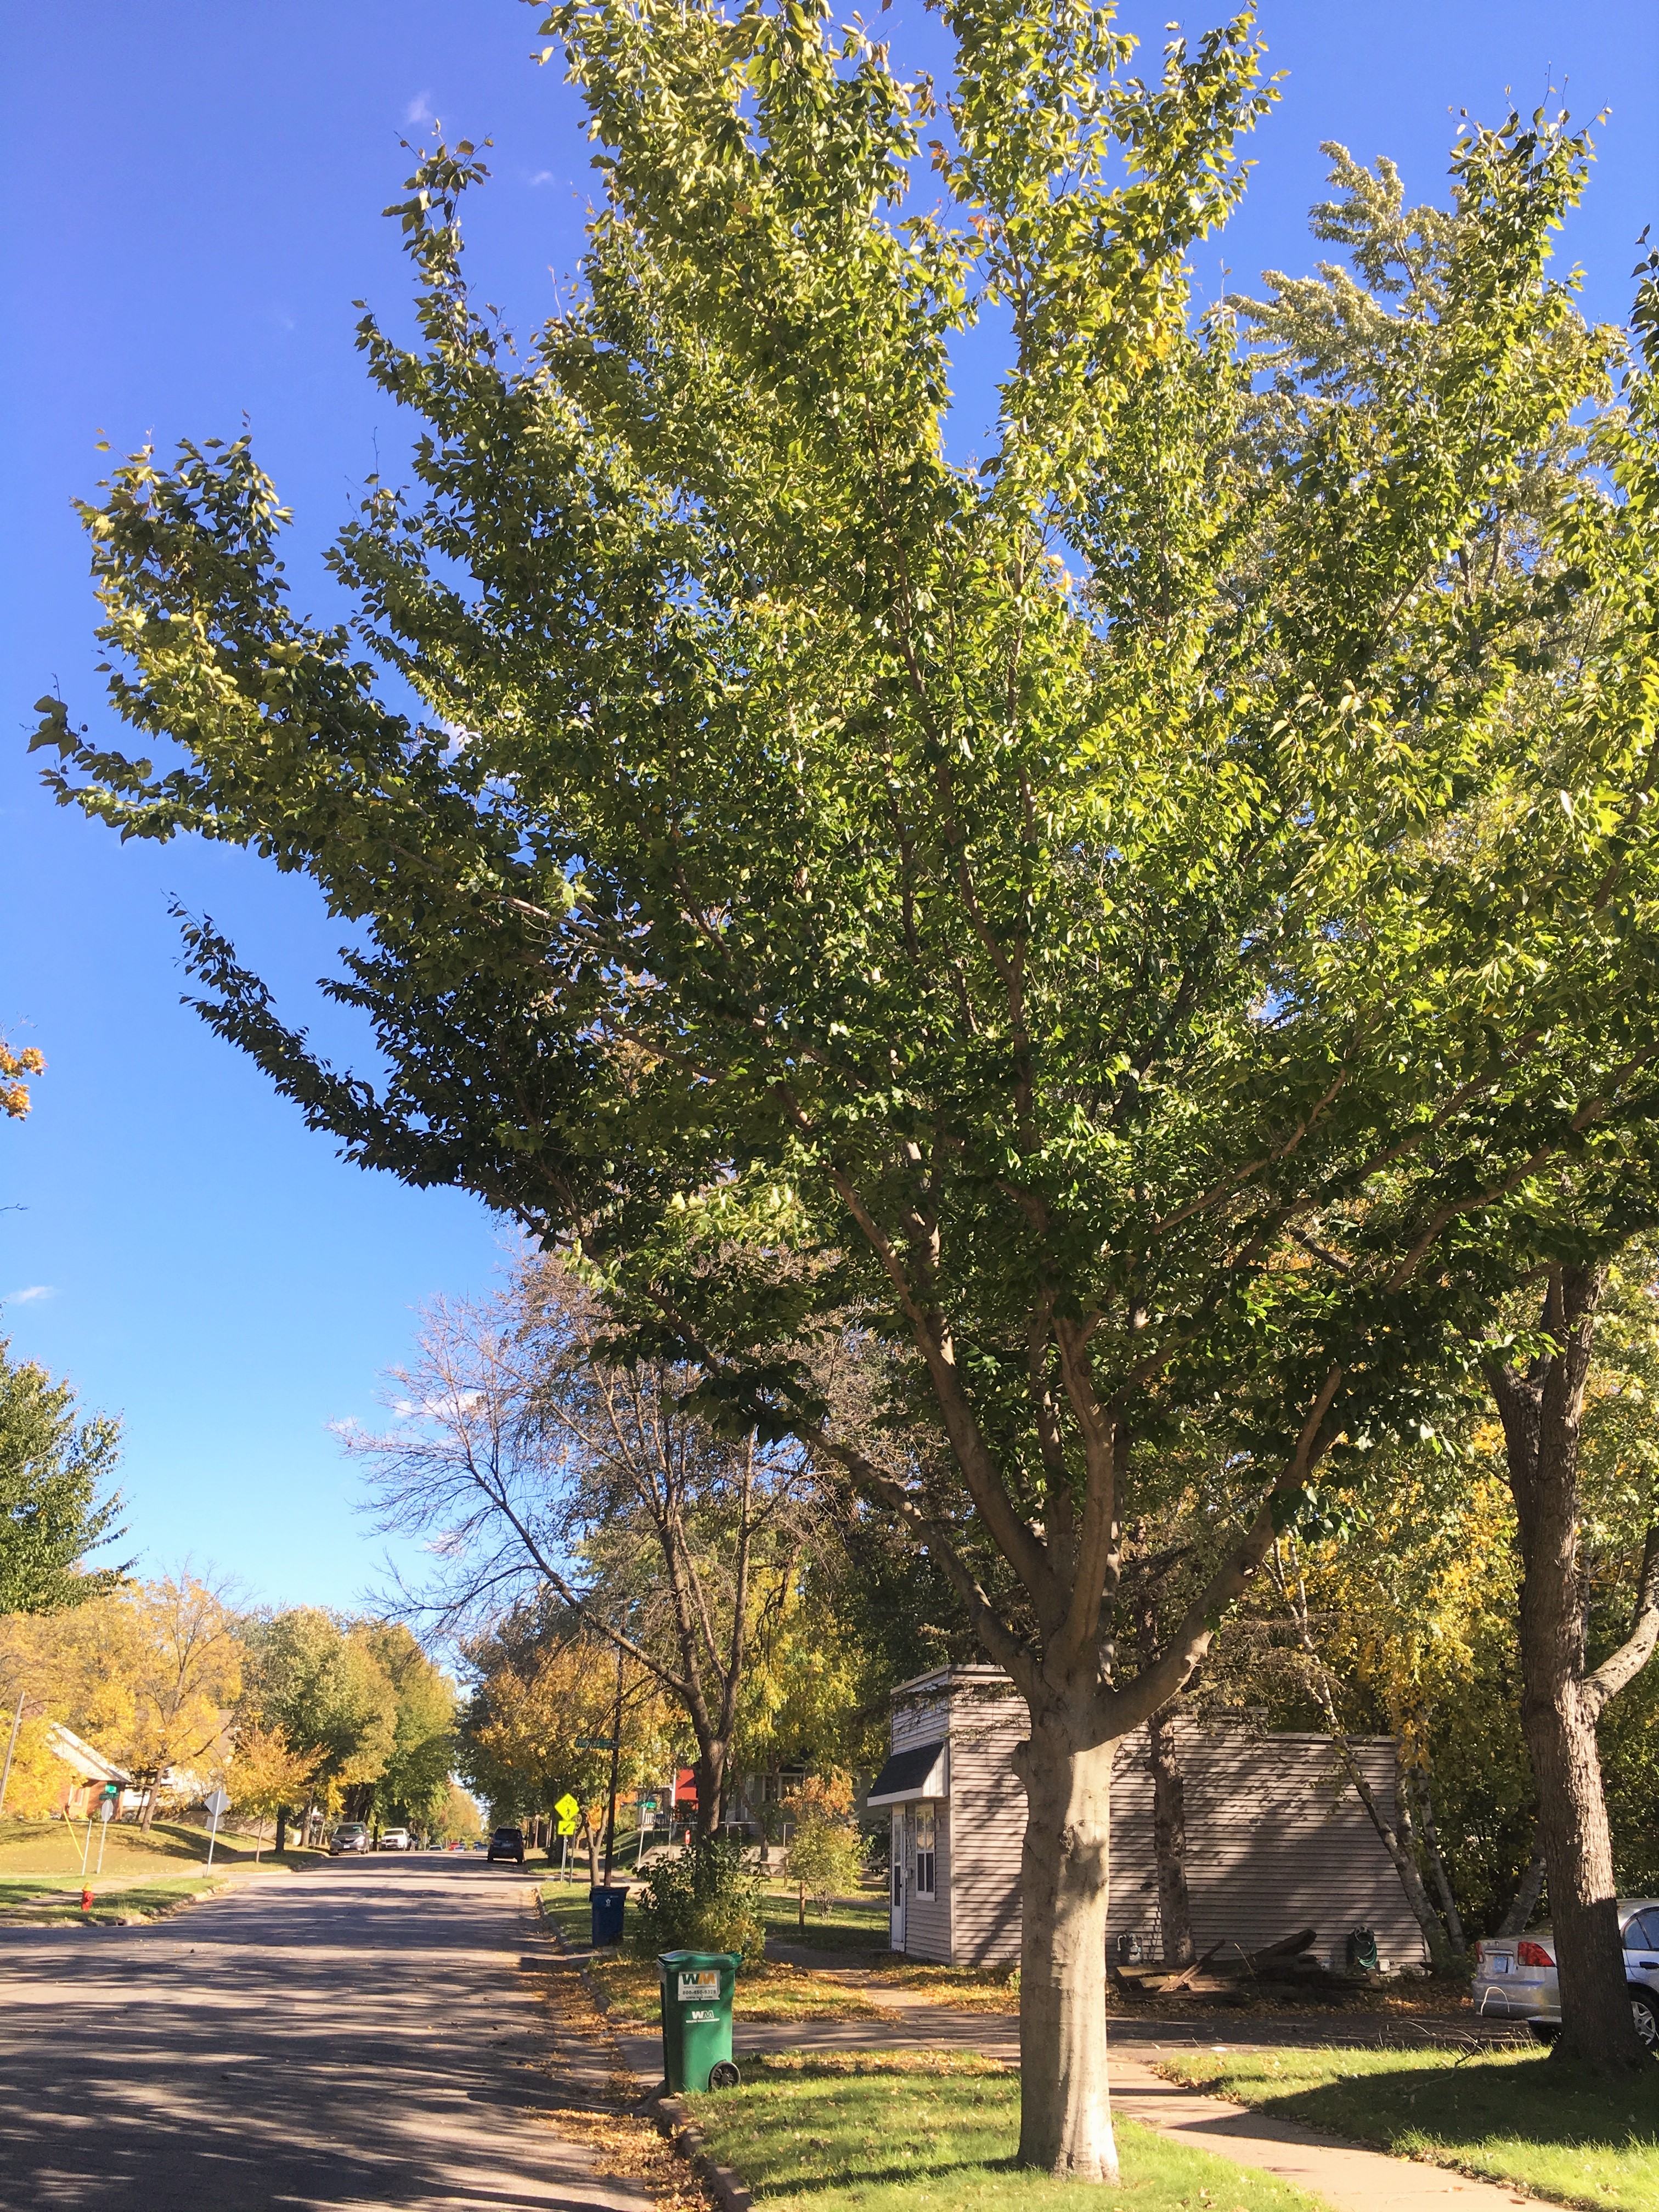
[507,1843]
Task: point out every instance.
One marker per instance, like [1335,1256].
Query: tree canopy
[1126,919]
[55,1506]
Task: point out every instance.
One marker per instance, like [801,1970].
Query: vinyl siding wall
[1276,1839]
[927,1919]
[988,1830]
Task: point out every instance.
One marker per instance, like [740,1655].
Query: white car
[1515,1976]
[395,1839]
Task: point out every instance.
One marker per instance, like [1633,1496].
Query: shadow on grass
[1521,2100]
[901,2130]
[1516,2115]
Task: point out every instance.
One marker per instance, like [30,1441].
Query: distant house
[1276,1838]
[88,1771]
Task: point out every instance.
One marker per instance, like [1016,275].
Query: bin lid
[697,1959]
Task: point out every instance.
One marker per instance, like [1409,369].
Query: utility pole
[5,1772]
[616,1759]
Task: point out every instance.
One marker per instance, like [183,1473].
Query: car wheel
[1645,2014]
[1543,2031]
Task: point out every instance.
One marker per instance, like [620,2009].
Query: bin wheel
[723,2076]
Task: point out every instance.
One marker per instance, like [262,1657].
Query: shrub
[701,1899]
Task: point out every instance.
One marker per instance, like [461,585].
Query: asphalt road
[362,2035]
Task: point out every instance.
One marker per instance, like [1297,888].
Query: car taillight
[1533,1954]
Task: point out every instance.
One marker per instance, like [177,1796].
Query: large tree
[529,1463]
[55,1502]
[1123,921]
[318,1680]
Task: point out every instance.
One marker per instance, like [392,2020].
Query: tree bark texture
[1065,2120]
[1169,1839]
[1542,1412]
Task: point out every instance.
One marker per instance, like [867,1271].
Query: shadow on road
[362,2035]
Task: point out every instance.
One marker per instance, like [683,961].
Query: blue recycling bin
[607,1909]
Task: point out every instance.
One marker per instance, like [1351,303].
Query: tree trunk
[1437,1860]
[1065,2119]
[1394,1836]
[710,1774]
[1541,1413]
[1169,1840]
[1595,2014]
[1524,1902]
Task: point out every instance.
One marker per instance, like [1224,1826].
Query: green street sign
[648,1804]
[596,1743]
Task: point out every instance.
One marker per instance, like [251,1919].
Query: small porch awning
[910,1775]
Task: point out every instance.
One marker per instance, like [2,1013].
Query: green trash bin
[697,1988]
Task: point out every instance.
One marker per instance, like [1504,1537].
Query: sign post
[11,1746]
[566,1808]
[217,1805]
[615,1756]
[106,1813]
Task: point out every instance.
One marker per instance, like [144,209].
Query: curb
[669,2115]
[673,2121]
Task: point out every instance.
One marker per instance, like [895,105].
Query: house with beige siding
[1277,1839]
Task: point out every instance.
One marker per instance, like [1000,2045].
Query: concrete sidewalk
[1352,2180]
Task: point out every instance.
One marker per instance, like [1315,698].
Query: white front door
[896,1939]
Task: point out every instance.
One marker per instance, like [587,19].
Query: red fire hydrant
[86,1901]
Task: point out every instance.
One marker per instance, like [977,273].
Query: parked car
[395,1839]
[507,1843]
[349,1836]
[1515,1976]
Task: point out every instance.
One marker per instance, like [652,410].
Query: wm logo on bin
[700,1988]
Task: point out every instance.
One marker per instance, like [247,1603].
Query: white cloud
[543,177]
[418,110]
[30,1297]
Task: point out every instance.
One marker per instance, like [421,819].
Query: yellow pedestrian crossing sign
[566,1808]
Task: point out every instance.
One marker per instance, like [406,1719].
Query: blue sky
[194,207]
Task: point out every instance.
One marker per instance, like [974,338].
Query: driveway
[362,2035]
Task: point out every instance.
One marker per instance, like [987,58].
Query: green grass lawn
[850,1923]
[43,1901]
[1517,2115]
[627,1984]
[935,2131]
[859,1925]
[47,1847]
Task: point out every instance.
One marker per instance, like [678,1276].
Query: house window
[925,1848]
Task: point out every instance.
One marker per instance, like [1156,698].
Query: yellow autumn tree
[15,1095]
[39,1781]
[265,1774]
[543,1698]
[147,1674]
